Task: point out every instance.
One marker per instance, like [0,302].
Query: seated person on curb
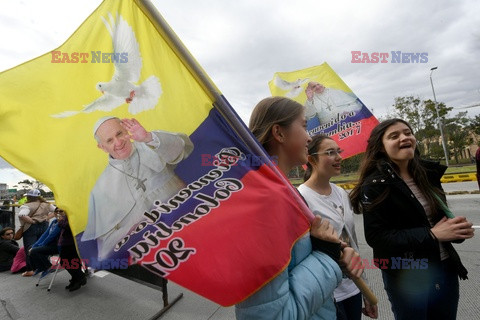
[8,248]
[46,246]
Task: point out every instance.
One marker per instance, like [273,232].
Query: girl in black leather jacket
[401,199]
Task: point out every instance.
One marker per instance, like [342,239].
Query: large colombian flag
[331,106]
[226,230]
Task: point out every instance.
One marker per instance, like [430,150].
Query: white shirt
[336,208]
[24,210]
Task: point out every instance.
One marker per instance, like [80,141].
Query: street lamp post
[444,144]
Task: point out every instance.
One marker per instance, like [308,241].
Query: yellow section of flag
[50,104]
[293,84]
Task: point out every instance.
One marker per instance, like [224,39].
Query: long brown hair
[269,112]
[312,148]
[375,155]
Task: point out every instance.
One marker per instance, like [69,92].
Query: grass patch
[462,169]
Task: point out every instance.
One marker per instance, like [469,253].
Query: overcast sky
[242,43]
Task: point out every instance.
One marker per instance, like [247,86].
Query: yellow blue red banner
[150,162]
[331,106]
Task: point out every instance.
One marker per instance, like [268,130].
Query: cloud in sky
[241,44]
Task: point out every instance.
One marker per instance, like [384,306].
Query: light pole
[444,144]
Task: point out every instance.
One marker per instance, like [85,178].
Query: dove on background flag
[331,106]
[294,88]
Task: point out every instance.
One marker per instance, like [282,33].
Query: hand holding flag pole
[349,259]
[365,290]
[222,105]
[359,282]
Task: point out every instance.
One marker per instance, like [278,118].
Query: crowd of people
[399,195]
[405,218]
[46,234]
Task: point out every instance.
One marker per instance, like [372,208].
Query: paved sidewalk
[107,296]
[469,187]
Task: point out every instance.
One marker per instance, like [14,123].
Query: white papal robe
[118,201]
[327,104]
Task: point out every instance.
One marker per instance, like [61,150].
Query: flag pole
[220,102]
[224,107]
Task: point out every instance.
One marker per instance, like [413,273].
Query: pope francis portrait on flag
[325,103]
[138,174]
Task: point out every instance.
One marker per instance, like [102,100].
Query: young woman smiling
[332,203]
[405,221]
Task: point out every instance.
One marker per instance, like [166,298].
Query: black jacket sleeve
[387,227]
[8,247]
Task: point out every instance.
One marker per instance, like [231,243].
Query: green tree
[422,117]
[31,184]
[352,164]
[410,109]
[25,184]
[458,133]
[430,120]
[474,125]
[435,151]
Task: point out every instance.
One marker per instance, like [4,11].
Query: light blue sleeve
[302,292]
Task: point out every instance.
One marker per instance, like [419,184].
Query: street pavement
[108,296]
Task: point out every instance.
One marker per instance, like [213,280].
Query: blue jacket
[50,235]
[303,291]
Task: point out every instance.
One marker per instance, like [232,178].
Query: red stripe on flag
[356,142]
[243,243]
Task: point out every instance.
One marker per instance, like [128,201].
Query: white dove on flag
[294,88]
[122,87]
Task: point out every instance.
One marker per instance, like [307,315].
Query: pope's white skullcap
[100,121]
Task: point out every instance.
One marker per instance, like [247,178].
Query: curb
[462,192]
[448,178]
[460,177]
[350,186]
